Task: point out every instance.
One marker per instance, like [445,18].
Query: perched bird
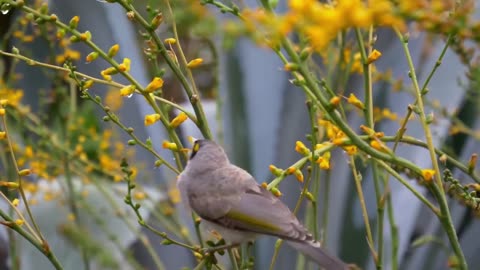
[231,202]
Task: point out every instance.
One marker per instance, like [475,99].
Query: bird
[229,200]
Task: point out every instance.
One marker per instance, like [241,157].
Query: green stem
[233,259]
[361,198]
[368,112]
[200,265]
[393,230]
[276,251]
[402,129]
[326,208]
[438,189]
[37,233]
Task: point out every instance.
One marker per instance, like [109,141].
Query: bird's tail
[319,255]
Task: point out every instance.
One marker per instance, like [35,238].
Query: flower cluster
[321,22]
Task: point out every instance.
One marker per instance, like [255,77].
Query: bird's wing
[235,200]
[259,211]
[212,195]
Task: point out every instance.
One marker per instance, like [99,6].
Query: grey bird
[231,202]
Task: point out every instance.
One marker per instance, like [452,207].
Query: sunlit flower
[150,119]
[352,99]
[170,41]
[275,171]
[195,63]
[155,84]
[113,50]
[374,56]
[170,145]
[301,148]
[179,119]
[428,174]
[127,90]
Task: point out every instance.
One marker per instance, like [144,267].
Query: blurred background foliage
[64,130]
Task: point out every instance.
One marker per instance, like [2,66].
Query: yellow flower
[71,217]
[68,54]
[28,152]
[299,175]
[109,71]
[335,101]
[86,36]
[170,41]
[351,150]
[156,21]
[195,63]
[117,178]
[319,146]
[374,56]
[88,84]
[472,162]
[2,111]
[379,146]
[127,90]
[74,22]
[113,50]
[325,164]
[352,99]
[106,73]
[179,119]
[276,192]
[3,135]
[290,67]
[155,84]
[9,184]
[290,170]
[125,65]
[301,148]
[15,202]
[170,145]
[150,119]
[139,195]
[428,174]
[19,222]
[367,130]
[324,161]
[10,96]
[275,171]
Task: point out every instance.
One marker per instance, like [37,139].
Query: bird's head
[206,155]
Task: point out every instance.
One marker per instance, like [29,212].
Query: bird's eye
[195,149]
